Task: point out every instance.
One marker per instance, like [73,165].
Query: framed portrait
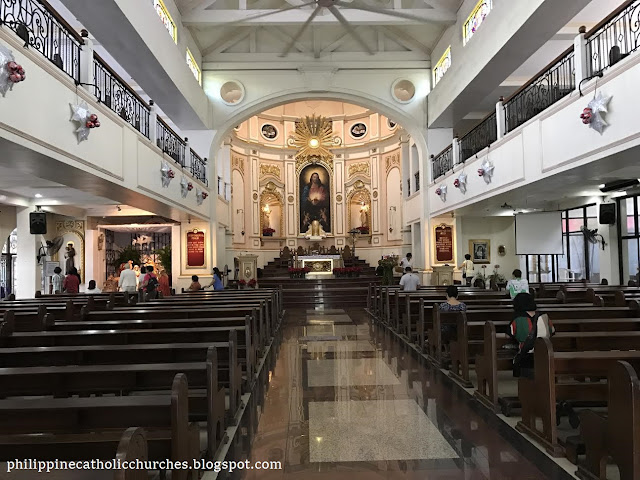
[315,197]
[480,251]
[269,132]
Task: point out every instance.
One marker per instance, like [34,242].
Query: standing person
[409,281]
[150,284]
[92,288]
[526,326]
[216,281]
[468,269]
[517,285]
[128,281]
[56,280]
[195,284]
[71,282]
[163,281]
[407,261]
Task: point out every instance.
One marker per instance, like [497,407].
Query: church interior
[285,240]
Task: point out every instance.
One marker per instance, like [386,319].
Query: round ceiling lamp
[314,142]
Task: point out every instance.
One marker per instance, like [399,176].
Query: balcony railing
[614,38]
[478,138]
[120,97]
[554,83]
[417,179]
[442,163]
[408,187]
[198,167]
[44,30]
[170,143]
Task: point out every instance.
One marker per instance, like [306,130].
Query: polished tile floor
[347,401]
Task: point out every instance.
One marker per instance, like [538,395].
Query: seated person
[452,304]
[526,326]
[195,284]
[517,285]
[409,281]
[92,288]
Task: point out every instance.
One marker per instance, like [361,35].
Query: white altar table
[320,264]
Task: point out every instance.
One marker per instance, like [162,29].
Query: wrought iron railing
[408,187]
[220,187]
[614,38]
[120,97]
[478,138]
[417,178]
[554,83]
[442,162]
[198,168]
[44,30]
[170,143]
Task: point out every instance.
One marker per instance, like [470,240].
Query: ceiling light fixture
[38,195]
[314,143]
[619,185]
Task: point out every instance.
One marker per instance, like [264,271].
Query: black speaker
[607,213]
[38,223]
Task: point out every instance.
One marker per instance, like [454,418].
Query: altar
[320,264]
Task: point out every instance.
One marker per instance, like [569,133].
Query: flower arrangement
[363,230]
[298,272]
[252,283]
[496,277]
[347,272]
[268,231]
[242,282]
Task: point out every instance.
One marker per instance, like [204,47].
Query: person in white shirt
[517,285]
[92,288]
[128,281]
[409,281]
[406,262]
[57,279]
[468,269]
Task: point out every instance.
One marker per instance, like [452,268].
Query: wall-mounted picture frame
[357,131]
[480,251]
[269,132]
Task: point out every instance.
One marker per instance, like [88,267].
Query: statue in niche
[267,216]
[364,217]
[315,231]
[69,255]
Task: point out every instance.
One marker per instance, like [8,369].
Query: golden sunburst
[313,138]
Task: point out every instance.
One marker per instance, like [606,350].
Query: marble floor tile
[337,330]
[328,319]
[320,347]
[360,431]
[324,311]
[349,372]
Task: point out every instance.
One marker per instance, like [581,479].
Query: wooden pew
[616,435]
[98,423]
[539,396]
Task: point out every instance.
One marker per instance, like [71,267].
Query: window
[442,66]
[475,19]
[168,22]
[629,238]
[193,66]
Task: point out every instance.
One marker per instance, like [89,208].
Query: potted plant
[242,283]
[268,232]
[388,263]
[252,283]
[496,279]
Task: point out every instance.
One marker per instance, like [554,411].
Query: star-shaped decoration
[164,171]
[443,192]
[598,106]
[80,114]
[487,168]
[6,56]
[184,187]
[462,182]
[199,198]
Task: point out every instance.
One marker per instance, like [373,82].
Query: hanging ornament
[199,196]
[461,182]
[10,71]
[441,191]
[84,118]
[204,195]
[486,171]
[592,114]
[184,187]
[167,174]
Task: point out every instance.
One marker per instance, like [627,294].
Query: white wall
[499,231]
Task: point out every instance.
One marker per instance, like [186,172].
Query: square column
[28,273]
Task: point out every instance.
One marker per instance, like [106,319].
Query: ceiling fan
[331,6]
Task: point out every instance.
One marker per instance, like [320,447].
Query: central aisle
[347,401]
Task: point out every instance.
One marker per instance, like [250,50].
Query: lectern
[248,265]
[442,275]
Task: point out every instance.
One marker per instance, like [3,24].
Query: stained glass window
[442,66]
[193,66]
[168,22]
[476,18]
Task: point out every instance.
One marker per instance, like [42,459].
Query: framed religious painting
[480,251]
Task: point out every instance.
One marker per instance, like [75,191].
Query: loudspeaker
[607,213]
[38,223]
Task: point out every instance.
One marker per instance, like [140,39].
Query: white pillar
[500,118]
[455,151]
[581,58]
[176,255]
[86,63]
[153,122]
[94,267]
[28,275]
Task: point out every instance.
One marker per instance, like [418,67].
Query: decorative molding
[268,169]
[392,161]
[360,168]
[290,198]
[338,198]
[375,194]
[237,163]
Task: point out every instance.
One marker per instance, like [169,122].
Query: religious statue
[69,255]
[364,217]
[315,231]
[267,216]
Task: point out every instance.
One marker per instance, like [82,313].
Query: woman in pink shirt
[71,282]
